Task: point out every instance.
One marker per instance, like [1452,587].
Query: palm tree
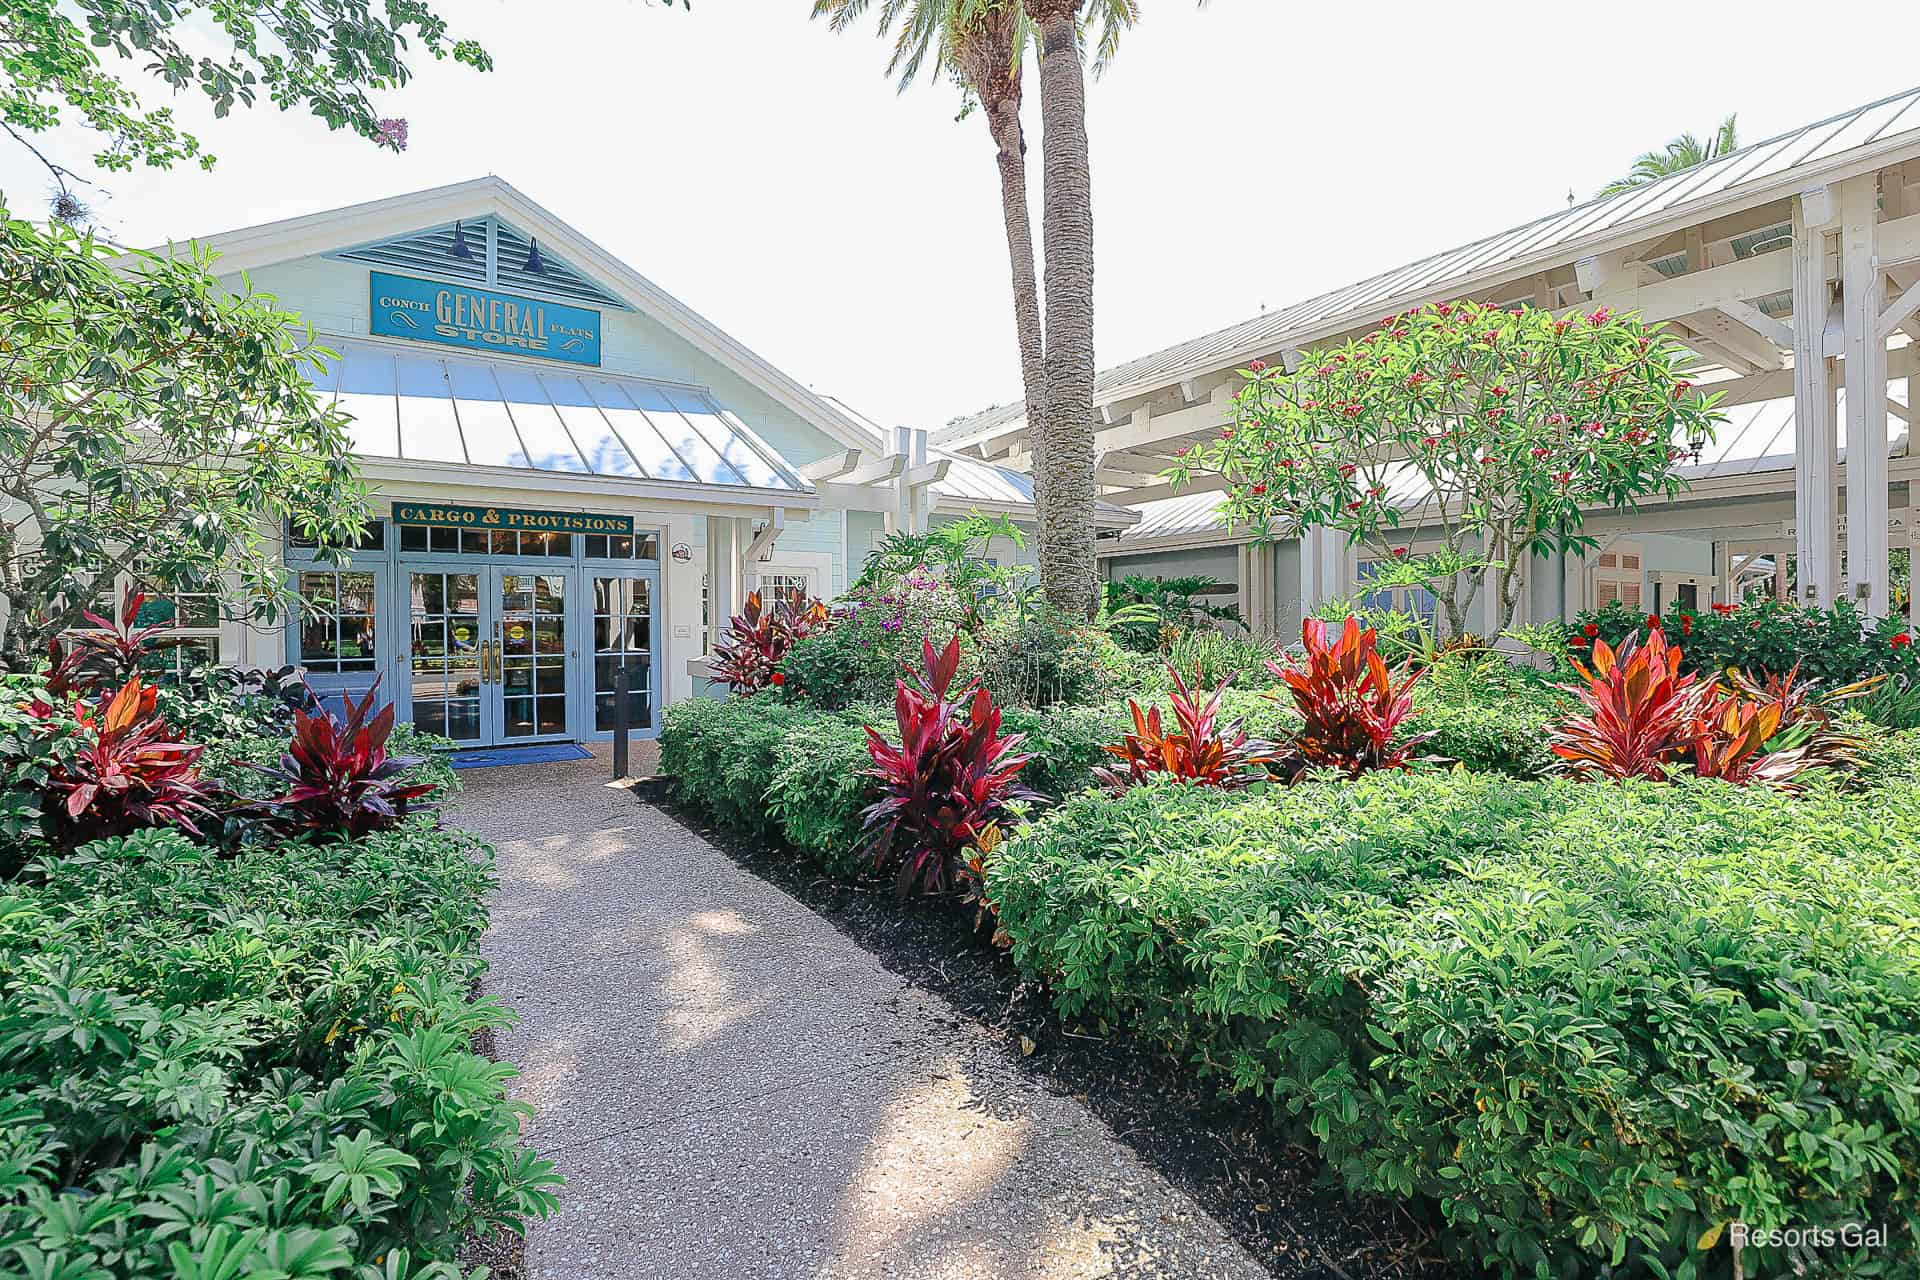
[1683,152]
[982,44]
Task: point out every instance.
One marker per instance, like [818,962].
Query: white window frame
[816,567]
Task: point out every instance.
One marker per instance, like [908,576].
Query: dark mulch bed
[504,1254]
[1275,1198]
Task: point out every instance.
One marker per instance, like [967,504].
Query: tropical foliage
[1684,152]
[1351,706]
[1518,1002]
[951,775]
[1485,432]
[748,658]
[257,1066]
[1200,749]
[340,782]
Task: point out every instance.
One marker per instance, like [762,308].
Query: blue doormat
[544,753]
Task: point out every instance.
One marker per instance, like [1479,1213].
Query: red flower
[779,677]
[1724,609]
[1681,385]
[1576,642]
[1539,452]
[1591,630]
[1902,640]
[1259,489]
[1653,622]
[1256,366]
[1400,551]
[1226,433]
[1686,624]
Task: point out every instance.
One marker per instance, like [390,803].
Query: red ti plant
[758,638]
[85,661]
[1730,743]
[949,780]
[1350,704]
[127,773]
[1642,714]
[1200,750]
[341,781]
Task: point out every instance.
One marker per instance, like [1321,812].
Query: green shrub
[1834,646]
[1212,656]
[268,1054]
[1042,661]
[876,632]
[1593,1024]
[29,749]
[799,774]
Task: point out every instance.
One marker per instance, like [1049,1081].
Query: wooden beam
[1897,314]
[833,466]
[1778,332]
[1755,348]
[879,469]
[764,540]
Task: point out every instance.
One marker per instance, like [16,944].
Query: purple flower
[891,625]
[391,133]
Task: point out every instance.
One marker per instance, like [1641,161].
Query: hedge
[265,1059]
[791,772]
[1592,1024]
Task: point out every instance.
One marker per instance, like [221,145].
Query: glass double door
[490,654]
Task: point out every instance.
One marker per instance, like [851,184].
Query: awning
[433,408]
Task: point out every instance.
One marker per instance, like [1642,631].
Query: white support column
[1327,566]
[680,629]
[1815,443]
[1861,289]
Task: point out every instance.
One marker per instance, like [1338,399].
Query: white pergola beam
[833,466]
[878,470]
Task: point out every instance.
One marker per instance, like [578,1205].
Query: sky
[1246,154]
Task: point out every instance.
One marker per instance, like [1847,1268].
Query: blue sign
[459,315]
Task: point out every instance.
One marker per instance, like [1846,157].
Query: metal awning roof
[1732,176]
[427,407]
[1756,438]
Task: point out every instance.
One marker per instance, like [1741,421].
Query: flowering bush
[1200,750]
[1833,646]
[1351,706]
[1511,424]
[950,778]
[874,631]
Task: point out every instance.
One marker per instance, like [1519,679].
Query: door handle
[486,662]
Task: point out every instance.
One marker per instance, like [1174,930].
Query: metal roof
[1756,438]
[489,413]
[1760,164]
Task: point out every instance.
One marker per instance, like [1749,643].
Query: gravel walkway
[734,1089]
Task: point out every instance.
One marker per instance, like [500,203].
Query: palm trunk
[987,62]
[1064,449]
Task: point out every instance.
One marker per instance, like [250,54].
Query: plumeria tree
[1475,436]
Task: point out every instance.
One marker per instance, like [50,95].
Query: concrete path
[734,1089]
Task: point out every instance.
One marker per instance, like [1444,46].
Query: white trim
[250,248]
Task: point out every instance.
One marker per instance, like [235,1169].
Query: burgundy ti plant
[127,773]
[84,662]
[341,781]
[1199,750]
[948,781]
[748,660]
[1351,706]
